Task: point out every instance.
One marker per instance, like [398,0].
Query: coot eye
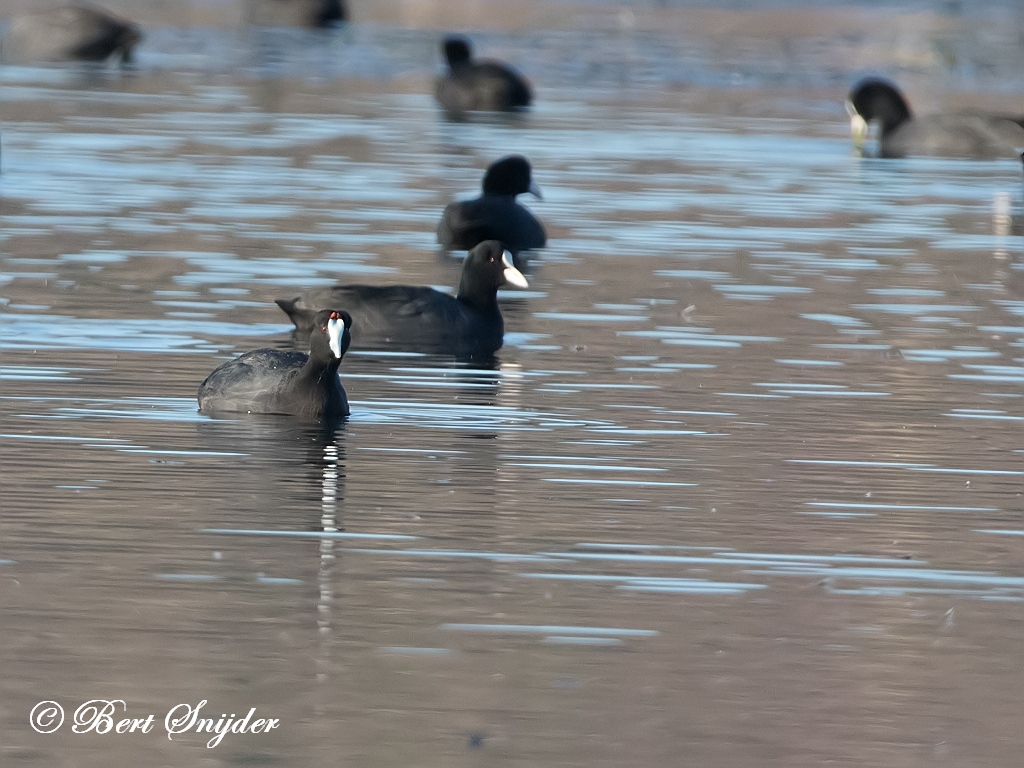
[491,259]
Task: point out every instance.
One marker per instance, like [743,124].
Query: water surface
[743,487]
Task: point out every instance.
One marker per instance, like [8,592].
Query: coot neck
[318,380]
[322,361]
[888,125]
[317,368]
[891,115]
[482,300]
[458,54]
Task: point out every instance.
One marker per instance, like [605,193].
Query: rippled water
[745,487]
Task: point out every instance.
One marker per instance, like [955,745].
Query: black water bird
[422,319]
[496,215]
[70,33]
[297,13]
[471,85]
[974,135]
[294,383]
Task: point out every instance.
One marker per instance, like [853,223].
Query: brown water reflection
[744,487]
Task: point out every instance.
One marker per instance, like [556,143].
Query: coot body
[478,85]
[496,215]
[974,135]
[422,319]
[293,383]
[70,33]
[297,13]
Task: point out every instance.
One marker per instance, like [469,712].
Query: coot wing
[956,135]
[459,230]
[499,87]
[406,314]
[249,380]
[468,223]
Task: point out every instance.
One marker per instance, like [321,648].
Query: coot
[297,13]
[961,134]
[275,381]
[421,319]
[70,33]
[478,85]
[496,215]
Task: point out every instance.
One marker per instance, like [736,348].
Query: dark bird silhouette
[422,319]
[70,33]
[297,13]
[959,134]
[478,85]
[496,215]
[294,383]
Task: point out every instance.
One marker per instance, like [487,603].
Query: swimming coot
[961,134]
[70,33]
[496,215]
[478,85]
[421,319]
[275,381]
[297,13]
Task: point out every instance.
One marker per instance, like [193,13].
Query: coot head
[329,13]
[457,51]
[128,40]
[510,176]
[875,99]
[487,268]
[331,334]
